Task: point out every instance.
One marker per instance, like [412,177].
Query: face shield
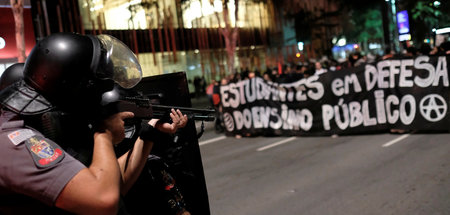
[118,63]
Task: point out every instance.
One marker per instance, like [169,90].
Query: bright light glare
[334,40]
[404,37]
[62,45]
[2,43]
[119,17]
[196,8]
[342,42]
[207,9]
[200,8]
[374,46]
[443,30]
[97,7]
[132,3]
[300,46]
[218,6]
[192,12]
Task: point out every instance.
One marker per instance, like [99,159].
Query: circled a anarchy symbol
[228,121]
[433,107]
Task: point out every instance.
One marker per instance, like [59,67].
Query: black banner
[408,94]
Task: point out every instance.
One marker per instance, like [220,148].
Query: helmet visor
[119,63]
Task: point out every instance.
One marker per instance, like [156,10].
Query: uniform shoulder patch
[20,135]
[45,153]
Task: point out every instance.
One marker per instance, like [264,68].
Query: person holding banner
[319,69]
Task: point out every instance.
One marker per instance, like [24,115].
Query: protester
[444,48]
[411,51]
[218,123]
[289,74]
[425,49]
[357,59]
[353,57]
[244,74]
[251,74]
[197,86]
[203,85]
[233,78]
[319,69]
[274,74]
[299,72]
[310,71]
[371,58]
[333,65]
[388,54]
[210,91]
[267,76]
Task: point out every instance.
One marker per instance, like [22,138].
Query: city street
[314,98]
[361,174]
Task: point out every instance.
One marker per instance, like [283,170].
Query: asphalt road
[364,174]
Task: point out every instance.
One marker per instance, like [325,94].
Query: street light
[443,30]
[342,42]
[2,43]
[436,3]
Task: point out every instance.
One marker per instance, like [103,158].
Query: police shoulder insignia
[45,153]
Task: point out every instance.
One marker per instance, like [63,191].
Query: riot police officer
[11,74]
[65,77]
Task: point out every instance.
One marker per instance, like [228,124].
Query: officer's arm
[95,190]
[132,164]
[132,168]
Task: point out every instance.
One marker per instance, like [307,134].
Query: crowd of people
[71,164]
[294,72]
[289,73]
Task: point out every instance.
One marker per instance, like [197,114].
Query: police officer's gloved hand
[150,133]
[155,130]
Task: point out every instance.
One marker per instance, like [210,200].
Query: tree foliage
[367,25]
[426,13]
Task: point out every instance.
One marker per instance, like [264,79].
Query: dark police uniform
[32,166]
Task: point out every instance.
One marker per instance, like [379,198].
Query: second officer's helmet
[71,71]
[11,75]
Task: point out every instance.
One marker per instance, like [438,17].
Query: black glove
[150,133]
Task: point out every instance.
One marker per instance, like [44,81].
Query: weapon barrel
[144,110]
[183,109]
[192,113]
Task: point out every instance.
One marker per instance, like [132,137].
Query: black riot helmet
[11,74]
[71,71]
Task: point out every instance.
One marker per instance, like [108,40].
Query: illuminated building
[168,35]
